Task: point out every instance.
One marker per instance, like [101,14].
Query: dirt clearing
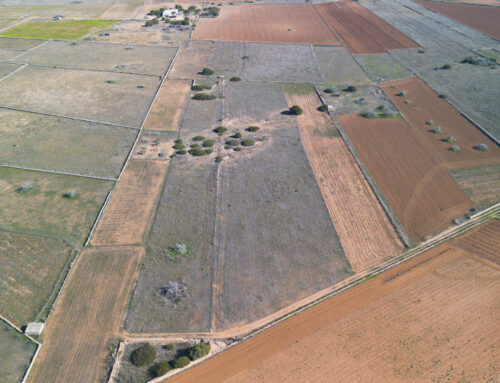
[86,317]
[364,230]
[130,210]
[284,23]
[362,31]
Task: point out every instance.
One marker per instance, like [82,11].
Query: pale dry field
[191,60]
[364,230]
[430,319]
[86,317]
[131,207]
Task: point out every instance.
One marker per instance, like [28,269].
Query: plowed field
[130,210]
[426,106]
[363,227]
[86,317]
[423,196]
[362,31]
[284,23]
[483,18]
[483,243]
[429,319]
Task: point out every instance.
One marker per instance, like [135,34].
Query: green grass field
[57,30]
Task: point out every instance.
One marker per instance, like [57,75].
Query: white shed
[34,328]
[170,12]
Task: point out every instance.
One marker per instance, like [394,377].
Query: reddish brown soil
[483,242]
[421,193]
[362,31]
[431,318]
[483,18]
[284,23]
[362,225]
[131,207]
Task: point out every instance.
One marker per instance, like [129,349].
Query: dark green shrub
[178,141]
[232,142]
[297,110]
[198,138]
[328,90]
[181,362]
[237,135]
[235,79]
[253,128]
[237,149]
[182,151]
[323,108]
[171,346]
[204,96]
[247,142]
[220,130]
[443,95]
[227,146]
[213,11]
[194,145]
[143,356]
[218,159]
[150,23]
[468,60]
[199,350]
[350,88]
[207,72]
[160,368]
[179,146]
[198,87]
[209,150]
[197,152]
[446,66]
[208,143]
[179,7]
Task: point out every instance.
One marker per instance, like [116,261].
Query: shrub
[232,142]
[430,122]
[198,87]
[110,80]
[235,79]
[218,159]
[350,88]
[450,139]
[199,350]
[446,66]
[197,152]
[213,11]
[143,356]
[253,128]
[402,94]
[297,110]
[468,60]
[237,149]
[207,72]
[329,90]
[24,188]
[160,368]
[247,142]
[237,135]
[323,108]
[171,346]
[443,95]
[209,150]
[455,148]
[408,101]
[204,96]
[194,145]
[370,113]
[70,194]
[437,130]
[181,362]
[220,130]
[482,148]
[179,146]
[178,141]
[208,143]
[227,146]
[198,138]
[150,23]
[181,152]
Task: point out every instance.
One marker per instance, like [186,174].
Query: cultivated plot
[337,66]
[421,193]
[51,143]
[105,97]
[7,68]
[362,31]
[284,23]
[15,354]
[130,210]
[382,67]
[50,204]
[191,60]
[364,230]
[199,116]
[482,244]
[19,44]
[88,314]
[139,59]
[417,320]
[30,269]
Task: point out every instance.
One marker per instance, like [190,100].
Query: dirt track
[284,23]
[363,228]
[362,31]
[410,331]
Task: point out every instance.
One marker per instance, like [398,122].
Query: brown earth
[86,317]
[167,108]
[426,106]
[130,210]
[191,60]
[421,193]
[483,18]
[362,31]
[284,23]
[362,225]
[431,318]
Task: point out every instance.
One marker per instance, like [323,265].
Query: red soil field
[423,196]
[483,18]
[429,319]
[427,106]
[362,31]
[284,23]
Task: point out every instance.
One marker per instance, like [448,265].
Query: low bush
[455,148]
[443,95]
[181,152]
[194,145]
[70,194]
[204,96]
[235,79]
[160,368]
[232,142]
[446,66]
[150,23]
[181,362]
[179,146]
[207,72]
[253,128]
[297,110]
[323,108]
[247,142]
[198,138]
[178,141]
[227,146]
[25,188]
[209,150]
[482,148]
[218,159]
[450,139]
[199,350]
[197,152]
[237,149]
[237,135]
[350,88]
[208,143]
[171,346]
[143,356]
[437,130]
[220,130]
[199,87]
[370,113]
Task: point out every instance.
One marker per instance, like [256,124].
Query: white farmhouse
[170,12]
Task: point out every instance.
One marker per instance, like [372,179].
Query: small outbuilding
[172,12]
[34,328]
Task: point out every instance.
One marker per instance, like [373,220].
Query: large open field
[284,23]
[364,230]
[87,315]
[338,66]
[16,352]
[421,193]
[191,60]
[431,318]
[128,214]
[362,31]
[31,268]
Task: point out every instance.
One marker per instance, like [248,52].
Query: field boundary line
[57,172]
[329,26]
[13,72]
[12,26]
[67,117]
[31,49]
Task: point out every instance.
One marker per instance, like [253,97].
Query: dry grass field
[167,108]
[362,31]
[284,23]
[86,317]
[423,196]
[129,212]
[364,230]
[430,319]
[191,60]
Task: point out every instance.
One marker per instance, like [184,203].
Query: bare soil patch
[130,210]
[284,23]
[362,31]
[364,230]
[86,317]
